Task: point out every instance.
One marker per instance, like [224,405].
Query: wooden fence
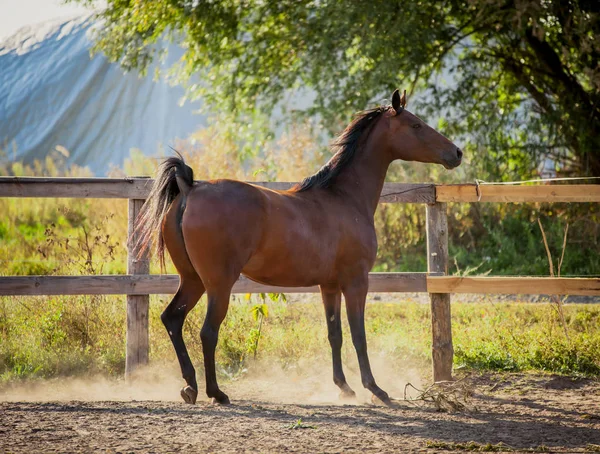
[138,283]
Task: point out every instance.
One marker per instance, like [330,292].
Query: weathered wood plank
[88,285]
[437,238]
[139,188]
[441,322]
[518,194]
[515,285]
[138,306]
[378,282]
[99,188]
[167,284]
[407,193]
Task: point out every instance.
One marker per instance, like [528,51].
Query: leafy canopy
[517,80]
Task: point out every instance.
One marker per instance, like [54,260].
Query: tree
[523,75]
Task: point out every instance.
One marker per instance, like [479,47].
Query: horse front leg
[332,300]
[355,295]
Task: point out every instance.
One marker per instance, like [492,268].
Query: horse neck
[362,181]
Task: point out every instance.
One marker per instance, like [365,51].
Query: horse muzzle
[453,159]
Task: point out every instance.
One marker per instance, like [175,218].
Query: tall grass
[59,336]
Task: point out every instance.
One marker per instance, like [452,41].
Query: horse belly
[292,261]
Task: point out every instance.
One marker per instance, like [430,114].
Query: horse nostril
[459,153]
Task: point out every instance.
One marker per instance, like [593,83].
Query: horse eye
[416,125]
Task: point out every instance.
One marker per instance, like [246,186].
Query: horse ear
[403,99]
[396,100]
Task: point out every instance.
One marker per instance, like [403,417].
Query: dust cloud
[157,382]
[312,383]
[306,382]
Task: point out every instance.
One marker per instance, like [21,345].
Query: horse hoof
[221,400]
[189,395]
[347,395]
[384,400]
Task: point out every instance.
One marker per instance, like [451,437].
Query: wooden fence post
[437,261]
[137,305]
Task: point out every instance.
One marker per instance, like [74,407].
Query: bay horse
[320,232]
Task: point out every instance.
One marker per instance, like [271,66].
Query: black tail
[173,176]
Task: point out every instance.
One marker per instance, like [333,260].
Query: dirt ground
[505,413]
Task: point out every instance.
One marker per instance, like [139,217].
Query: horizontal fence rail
[151,284]
[167,284]
[138,284]
[515,285]
[517,194]
[139,188]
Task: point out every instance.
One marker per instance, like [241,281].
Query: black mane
[345,146]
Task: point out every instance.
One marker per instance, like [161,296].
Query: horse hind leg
[332,299]
[189,292]
[218,261]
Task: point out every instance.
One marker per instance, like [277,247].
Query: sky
[15,14]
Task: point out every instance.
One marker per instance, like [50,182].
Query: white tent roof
[53,94]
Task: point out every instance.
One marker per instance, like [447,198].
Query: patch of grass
[469,446]
[300,425]
[472,446]
[61,336]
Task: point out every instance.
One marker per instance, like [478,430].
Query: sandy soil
[521,412]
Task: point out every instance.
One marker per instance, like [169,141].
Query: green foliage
[515,81]
[500,239]
[259,311]
[61,236]
[507,240]
[60,336]
[516,337]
